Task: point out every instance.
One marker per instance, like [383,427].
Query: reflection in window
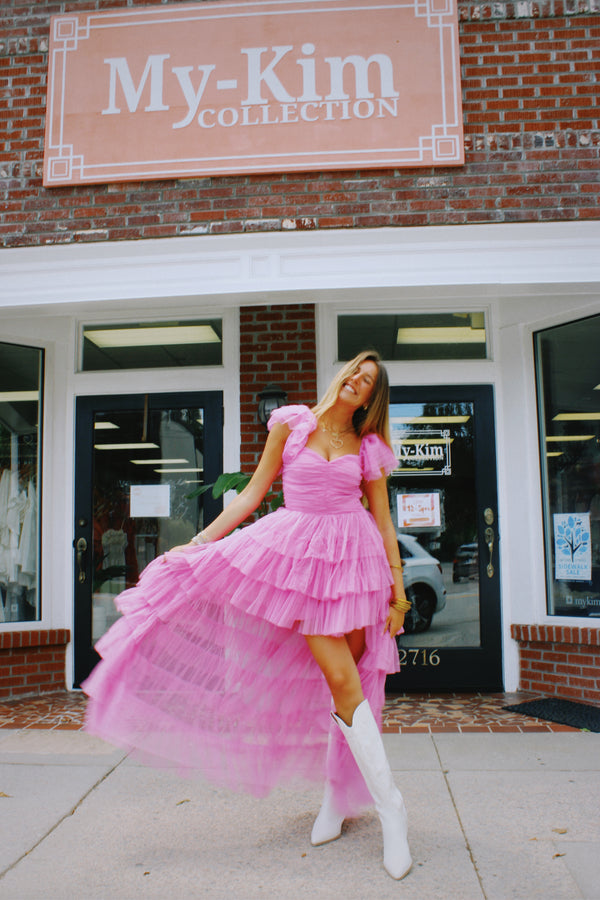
[148,468]
[434,508]
[152,345]
[568,380]
[414,336]
[20,406]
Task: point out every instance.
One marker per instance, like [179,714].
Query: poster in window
[572,547]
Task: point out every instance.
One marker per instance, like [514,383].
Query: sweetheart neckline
[335,458]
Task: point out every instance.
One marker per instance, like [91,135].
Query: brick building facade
[532,138]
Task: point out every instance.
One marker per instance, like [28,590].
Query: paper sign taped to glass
[150,501]
[572,547]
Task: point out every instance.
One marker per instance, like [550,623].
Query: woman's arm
[250,498]
[376,493]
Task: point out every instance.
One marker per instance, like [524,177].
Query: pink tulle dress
[208,667]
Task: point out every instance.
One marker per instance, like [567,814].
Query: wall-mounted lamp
[270,398]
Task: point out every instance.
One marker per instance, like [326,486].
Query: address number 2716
[418,656]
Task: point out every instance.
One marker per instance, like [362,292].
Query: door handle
[489,539]
[81,547]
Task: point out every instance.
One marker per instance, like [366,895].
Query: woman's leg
[334,657]
[346,793]
[356,640]
[340,766]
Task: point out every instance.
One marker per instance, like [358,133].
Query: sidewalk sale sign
[572,547]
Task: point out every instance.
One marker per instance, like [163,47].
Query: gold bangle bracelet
[394,566]
[401,605]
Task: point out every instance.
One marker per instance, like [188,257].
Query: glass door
[140,460]
[443,500]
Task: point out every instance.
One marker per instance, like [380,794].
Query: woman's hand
[185,548]
[394,622]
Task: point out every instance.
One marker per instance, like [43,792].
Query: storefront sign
[220,88]
[421,452]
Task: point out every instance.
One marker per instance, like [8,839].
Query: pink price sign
[218,88]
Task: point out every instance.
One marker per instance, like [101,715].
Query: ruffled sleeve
[300,420]
[375,455]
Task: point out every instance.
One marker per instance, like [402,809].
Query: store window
[414,336]
[568,380]
[152,345]
[21,372]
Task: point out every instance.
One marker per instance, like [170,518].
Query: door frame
[470,668]
[84,656]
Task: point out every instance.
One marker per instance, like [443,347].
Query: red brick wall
[530,83]
[277,345]
[32,662]
[559,661]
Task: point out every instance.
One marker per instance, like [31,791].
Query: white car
[423,582]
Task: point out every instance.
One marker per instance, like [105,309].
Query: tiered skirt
[208,667]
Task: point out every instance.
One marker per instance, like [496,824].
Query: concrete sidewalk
[491,816]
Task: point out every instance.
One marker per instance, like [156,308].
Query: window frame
[116,322]
[39,484]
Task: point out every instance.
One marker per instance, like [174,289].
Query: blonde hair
[375,418]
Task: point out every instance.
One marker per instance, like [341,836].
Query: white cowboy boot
[328,824]
[367,748]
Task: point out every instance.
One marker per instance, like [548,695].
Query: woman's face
[357,389]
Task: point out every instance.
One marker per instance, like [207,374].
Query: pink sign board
[419,511]
[241,87]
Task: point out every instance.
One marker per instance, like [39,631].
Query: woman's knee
[339,680]
[344,684]
[337,664]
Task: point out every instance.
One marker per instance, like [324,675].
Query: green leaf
[237,481]
[277,501]
[230,481]
[200,490]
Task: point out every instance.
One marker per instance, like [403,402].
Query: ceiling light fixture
[429,420]
[18,396]
[558,439]
[577,417]
[125,446]
[157,462]
[165,471]
[462,334]
[152,336]
[440,441]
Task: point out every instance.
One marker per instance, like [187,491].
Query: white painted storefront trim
[290,267]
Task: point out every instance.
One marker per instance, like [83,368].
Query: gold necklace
[336,439]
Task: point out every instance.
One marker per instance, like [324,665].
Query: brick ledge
[42,637]
[556,634]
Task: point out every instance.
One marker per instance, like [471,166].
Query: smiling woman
[233,646]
